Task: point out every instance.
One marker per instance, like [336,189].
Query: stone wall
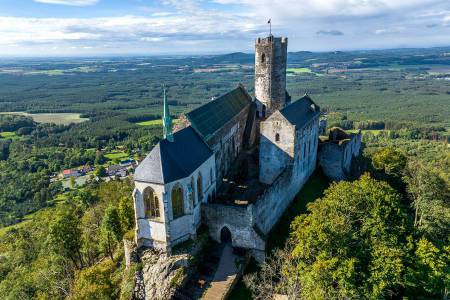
[228,141]
[238,219]
[270,206]
[249,225]
[270,73]
[277,146]
[335,156]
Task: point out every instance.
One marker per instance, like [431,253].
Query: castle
[235,163]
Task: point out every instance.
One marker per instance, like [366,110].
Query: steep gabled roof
[170,161]
[301,111]
[212,116]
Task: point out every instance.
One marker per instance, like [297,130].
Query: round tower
[270,74]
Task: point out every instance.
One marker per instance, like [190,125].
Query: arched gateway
[225,235]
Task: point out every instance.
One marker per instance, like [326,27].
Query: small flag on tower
[269,22]
[270,26]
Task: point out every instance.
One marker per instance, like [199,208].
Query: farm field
[56,118]
[8,135]
[299,70]
[156,122]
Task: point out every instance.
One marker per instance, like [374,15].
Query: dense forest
[386,234]
[382,236]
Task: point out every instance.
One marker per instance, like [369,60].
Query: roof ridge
[161,160]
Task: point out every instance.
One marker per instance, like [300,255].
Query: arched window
[199,188]
[263,58]
[177,201]
[277,137]
[151,203]
[192,195]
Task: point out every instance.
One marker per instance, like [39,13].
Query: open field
[299,70]
[56,118]
[8,135]
[157,122]
[150,123]
[116,155]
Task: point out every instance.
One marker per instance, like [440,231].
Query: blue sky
[139,27]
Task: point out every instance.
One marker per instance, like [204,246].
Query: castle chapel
[234,164]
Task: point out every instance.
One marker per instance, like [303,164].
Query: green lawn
[8,135]
[157,122]
[150,123]
[373,131]
[116,155]
[312,190]
[299,70]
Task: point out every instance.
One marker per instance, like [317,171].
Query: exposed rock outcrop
[162,274]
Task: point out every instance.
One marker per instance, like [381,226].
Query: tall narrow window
[193,198]
[151,203]
[211,175]
[263,58]
[277,137]
[199,188]
[177,201]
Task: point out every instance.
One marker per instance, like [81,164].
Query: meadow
[55,118]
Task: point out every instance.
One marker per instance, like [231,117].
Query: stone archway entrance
[225,235]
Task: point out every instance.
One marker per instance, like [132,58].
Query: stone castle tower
[270,74]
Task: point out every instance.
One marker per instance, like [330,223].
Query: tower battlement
[270,39]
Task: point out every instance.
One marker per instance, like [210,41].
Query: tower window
[277,137]
[263,58]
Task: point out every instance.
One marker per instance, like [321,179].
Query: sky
[169,27]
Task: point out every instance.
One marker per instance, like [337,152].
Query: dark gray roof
[213,115]
[301,111]
[170,161]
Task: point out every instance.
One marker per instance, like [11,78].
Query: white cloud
[192,26]
[69,2]
[390,30]
[323,8]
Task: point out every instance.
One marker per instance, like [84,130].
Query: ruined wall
[227,142]
[277,146]
[270,73]
[335,157]
[330,160]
